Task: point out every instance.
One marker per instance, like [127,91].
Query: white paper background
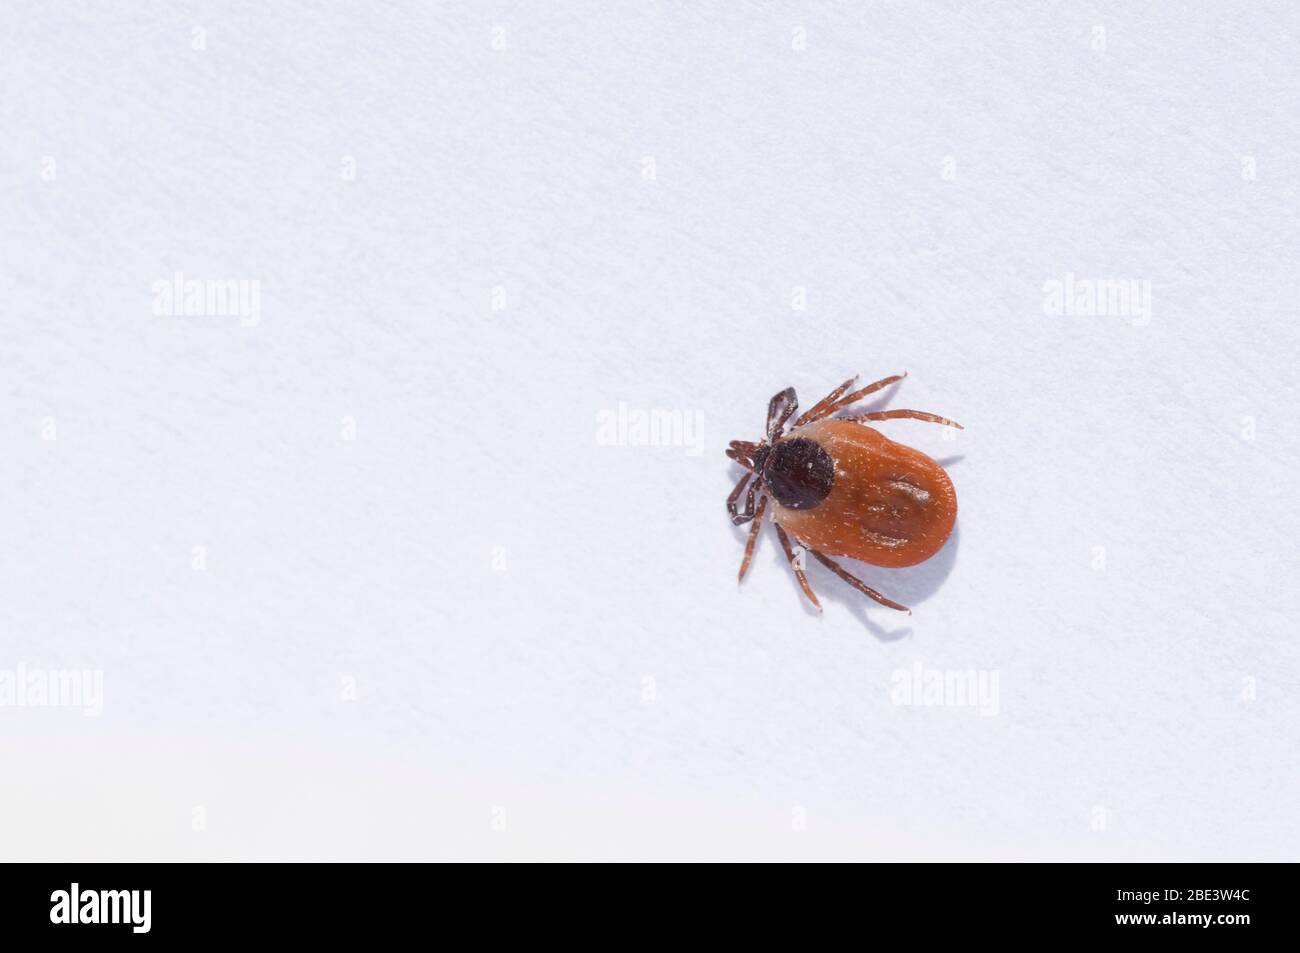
[1126,554]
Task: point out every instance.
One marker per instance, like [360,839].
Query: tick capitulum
[841,488]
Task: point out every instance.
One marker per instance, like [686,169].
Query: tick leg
[908,414]
[794,565]
[857,583]
[753,537]
[857,395]
[741,516]
[779,410]
[818,410]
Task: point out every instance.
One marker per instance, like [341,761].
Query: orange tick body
[841,488]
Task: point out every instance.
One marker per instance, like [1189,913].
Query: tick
[841,488]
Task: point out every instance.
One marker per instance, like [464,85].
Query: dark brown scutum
[799,473]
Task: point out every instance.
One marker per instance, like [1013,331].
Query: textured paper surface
[366,577]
